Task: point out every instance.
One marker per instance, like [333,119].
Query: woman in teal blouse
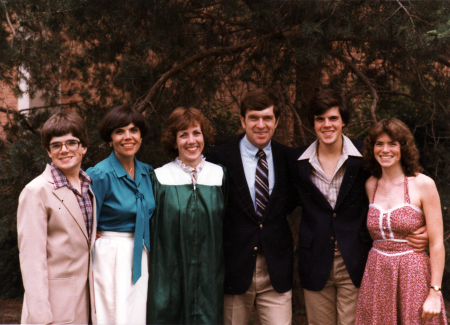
[186,272]
[125,203]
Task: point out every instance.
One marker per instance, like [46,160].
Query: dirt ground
[10,310]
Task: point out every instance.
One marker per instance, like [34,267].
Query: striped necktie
[261,183]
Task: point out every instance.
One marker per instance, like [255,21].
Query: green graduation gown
[186,271]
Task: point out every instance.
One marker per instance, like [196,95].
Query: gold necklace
[387,193]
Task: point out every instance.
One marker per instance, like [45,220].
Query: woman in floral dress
[399,285]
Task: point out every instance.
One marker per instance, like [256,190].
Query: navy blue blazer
[243,232]
[321,224]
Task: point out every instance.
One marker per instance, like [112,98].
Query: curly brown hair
[397,131]
[181,119]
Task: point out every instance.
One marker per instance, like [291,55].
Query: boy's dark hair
[325,99]
[64,123]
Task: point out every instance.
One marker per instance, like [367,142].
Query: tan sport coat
[55,254]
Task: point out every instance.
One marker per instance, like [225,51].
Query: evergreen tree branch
[9,23]
[146,102]
[365,80]
[298,125]
[423,86]
[197,57]
[407,12]
[4,138]
[6,105]
[444,60]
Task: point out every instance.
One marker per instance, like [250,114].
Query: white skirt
[117,300]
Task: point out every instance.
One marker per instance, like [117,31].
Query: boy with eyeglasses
[56,230]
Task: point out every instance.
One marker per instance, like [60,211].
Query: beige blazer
[55,254]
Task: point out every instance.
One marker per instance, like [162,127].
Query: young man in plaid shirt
[56,230]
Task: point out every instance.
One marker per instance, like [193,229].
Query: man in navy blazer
[258,250]
[333,238]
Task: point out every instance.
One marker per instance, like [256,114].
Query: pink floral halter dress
[396,279]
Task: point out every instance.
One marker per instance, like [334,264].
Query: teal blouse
[124,204]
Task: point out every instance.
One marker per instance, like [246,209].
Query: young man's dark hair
[63,123]
[325,99]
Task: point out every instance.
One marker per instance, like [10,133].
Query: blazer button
[255,249]
[260,225]
[334,215]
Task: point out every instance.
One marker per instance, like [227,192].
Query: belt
[336,247]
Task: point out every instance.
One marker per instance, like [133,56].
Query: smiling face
[190,145]
[387,152]
[259,126]
[68,161]
[328,127]
[126,141]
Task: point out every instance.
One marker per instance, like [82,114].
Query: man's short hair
[64,123]
[258,100]
[325,99]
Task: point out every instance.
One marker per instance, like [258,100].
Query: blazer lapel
[94,218]
[304,169]
[237,175]
[351,171]
[69,200]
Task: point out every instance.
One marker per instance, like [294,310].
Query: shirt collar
[120,170]
[252,150]
[348,149]
[61,180]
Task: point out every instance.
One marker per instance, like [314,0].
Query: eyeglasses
[70,145]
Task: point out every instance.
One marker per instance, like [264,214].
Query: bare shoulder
[422,182]
[370,185]
[371,181]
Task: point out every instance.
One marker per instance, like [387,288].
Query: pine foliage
[390,58]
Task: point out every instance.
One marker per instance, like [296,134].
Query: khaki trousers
[272,307]
[336,303]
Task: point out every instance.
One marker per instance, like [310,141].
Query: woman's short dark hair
[181,119]
[121,116]
[325,99]
[64,123]
[258,100]
[397,131]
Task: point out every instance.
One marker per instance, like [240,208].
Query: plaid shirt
[84,199]
[329,188]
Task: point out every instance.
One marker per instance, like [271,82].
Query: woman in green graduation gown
[186,271]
